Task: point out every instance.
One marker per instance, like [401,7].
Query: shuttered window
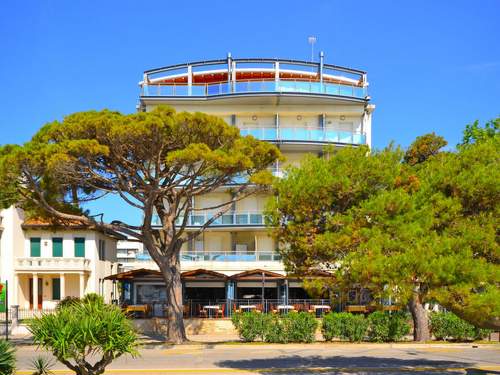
[34,246]
[80,247]
[57,247]
[56,289]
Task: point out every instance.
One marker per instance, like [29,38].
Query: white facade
[302,110]
[44,264]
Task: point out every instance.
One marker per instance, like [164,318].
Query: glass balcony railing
[230,256]
[285,133]
[229,219]
[239,87]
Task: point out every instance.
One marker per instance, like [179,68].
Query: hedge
[388,326]
[292,327]
[448,326]
[345,326]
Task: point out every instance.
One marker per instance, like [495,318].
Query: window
[57,247]
[102,249]
[35,246]
[79,247]
[56,289]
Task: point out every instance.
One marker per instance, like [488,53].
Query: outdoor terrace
[254,76]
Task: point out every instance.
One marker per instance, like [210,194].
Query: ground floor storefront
[210,294]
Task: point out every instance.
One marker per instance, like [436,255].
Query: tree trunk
[171,272]
[420,321]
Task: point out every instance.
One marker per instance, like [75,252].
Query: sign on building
[3,297]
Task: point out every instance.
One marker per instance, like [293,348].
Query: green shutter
[56,289]
[57,247]
[80,247]
[34,246]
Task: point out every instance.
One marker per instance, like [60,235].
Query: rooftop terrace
[254,77]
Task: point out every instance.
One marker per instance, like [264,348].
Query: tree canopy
[419,228]
[155,161]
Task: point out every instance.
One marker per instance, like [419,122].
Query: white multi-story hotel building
[299,106]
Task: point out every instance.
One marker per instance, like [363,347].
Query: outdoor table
[321,309]
[285,308]
[137,308]
[212,310]
[248,307]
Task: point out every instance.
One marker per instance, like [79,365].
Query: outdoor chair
[203,313]
[220,312]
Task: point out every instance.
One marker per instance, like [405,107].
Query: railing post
[14,317]
[190,80]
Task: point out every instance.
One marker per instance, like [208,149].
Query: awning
[257,275]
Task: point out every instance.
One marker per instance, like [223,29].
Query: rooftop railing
[263,86]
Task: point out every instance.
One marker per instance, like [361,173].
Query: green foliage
[7,358]
[474,133]
[249,325]
[423,148]
[42,366]
[67,301]
[388,326]
[83,330]
[448,326]
[291,327]
[422,230]
[156,162]
[346,326]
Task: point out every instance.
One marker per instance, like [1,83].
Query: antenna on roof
[312,40]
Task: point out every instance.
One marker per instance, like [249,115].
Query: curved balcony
[295,134]
[248,87]
[230,256]
[236,218]
[254,76]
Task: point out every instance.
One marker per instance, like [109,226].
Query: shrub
[292,327]
[42,366]
[345,326]
[300,327]
[274,329]
[85,335]
[7,358]
[386,327]
[249,325]
[448,326]
[67,301]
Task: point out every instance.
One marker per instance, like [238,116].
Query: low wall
[193,326]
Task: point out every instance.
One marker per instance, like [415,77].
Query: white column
[35,291]
[62,282]
[190,79]
[15,289]
[82,284]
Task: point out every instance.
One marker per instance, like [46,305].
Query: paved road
[318,358]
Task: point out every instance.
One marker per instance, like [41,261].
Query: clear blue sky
[432,65]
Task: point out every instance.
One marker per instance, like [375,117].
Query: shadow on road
[357,365]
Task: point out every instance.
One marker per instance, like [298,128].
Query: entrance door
[40,293]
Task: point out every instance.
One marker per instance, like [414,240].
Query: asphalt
[318,358]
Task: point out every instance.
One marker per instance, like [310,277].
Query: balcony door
[40,293]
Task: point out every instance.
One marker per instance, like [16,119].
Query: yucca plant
[7,358]
[86,336]
[42,366]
